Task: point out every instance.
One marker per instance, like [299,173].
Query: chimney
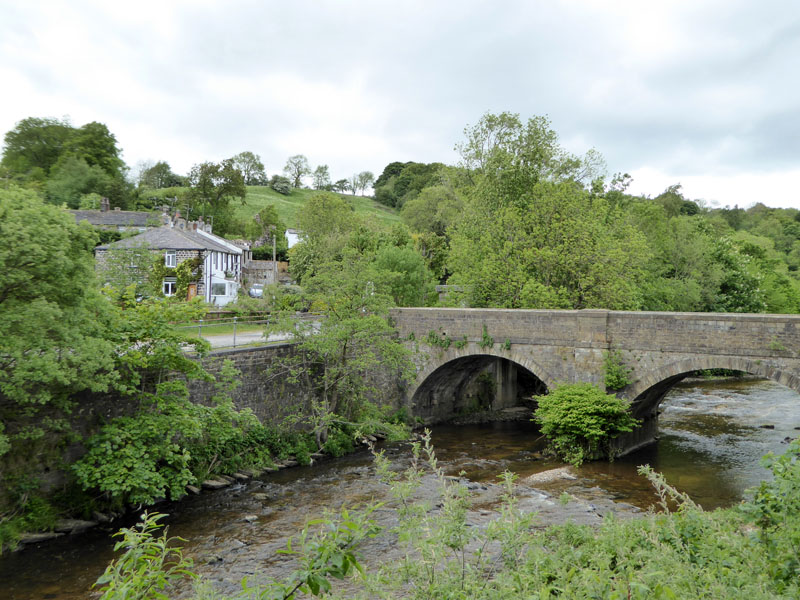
[104,204]
[117,208]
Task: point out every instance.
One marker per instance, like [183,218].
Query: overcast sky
[701,93]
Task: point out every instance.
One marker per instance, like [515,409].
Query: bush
[617,373]
[281,185]
[580,420]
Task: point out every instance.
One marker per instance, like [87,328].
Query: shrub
[281,185]
[580,420]
[617,373]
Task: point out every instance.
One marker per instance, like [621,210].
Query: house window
[171,258]
[170,286]
[218,289]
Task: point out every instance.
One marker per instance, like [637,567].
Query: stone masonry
[568,346]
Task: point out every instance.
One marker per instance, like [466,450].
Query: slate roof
[125,218]
[169,238]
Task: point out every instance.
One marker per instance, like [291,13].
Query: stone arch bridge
[497,357]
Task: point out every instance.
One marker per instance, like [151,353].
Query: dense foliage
[580,421]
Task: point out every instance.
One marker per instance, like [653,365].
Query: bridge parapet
[569,345]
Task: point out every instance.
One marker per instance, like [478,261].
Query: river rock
[192,489]
[73,525]
[215,484]
[250,518]
[290,463]
[767,426]
[260,496]
[241,476]
[32,538]
[101,517]
[549,475]
[226,478]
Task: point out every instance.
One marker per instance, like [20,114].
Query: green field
[260,196]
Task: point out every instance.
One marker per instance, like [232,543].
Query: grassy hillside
[259,196]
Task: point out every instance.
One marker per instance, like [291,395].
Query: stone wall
[271,396]
[568,346]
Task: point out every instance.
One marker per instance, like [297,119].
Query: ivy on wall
[188,271]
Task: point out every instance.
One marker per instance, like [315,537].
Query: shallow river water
[712,436]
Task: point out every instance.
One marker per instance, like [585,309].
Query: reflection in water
[711,441]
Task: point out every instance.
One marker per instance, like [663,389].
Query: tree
[158,176]
[504,142]
[401,273]
[326,220]
[352,339]
[95,144]
[402,182]
[322,178]
[365,180]
[54,327]
[296,168]
[434,210]
[341,185]
[71,178]
[35,143]
[212,187]
[251,167]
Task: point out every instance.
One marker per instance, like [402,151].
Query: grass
[287,206]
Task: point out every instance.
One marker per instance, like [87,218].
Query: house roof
[170,238]
[131,218]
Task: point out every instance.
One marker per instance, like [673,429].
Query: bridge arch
[445,384]
[650,388]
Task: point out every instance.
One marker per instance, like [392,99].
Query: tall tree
[251,167]
[35,143]
[213,186]
[296,168]
[158,176]
[322,177]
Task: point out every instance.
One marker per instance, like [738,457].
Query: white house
[220,275]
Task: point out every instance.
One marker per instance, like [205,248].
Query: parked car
[256,290]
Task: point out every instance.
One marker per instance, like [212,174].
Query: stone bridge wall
[569,346]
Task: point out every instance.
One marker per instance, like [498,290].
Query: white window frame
[225,286]
[171,258]
[169,286]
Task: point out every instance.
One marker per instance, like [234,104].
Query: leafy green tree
[551,246]
[35,143]
[341,185]
[296,168]
[54,324]
[435,209]
[326,220]
[402,182]
[72,178]
[531,149]
[365,180]
[212,187]
[159,176]
[95,144]
[352,339]
[322,177]
[251,167]
[401,272]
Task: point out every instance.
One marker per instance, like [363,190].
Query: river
[713,434]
